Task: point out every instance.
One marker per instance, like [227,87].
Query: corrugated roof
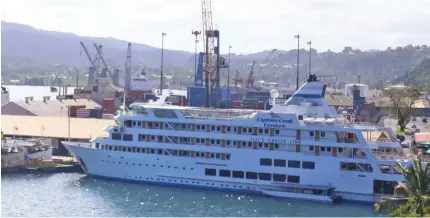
[422,137]
[54,127]
[339,100]
[54,107]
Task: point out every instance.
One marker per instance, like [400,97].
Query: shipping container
[108,105]
[224,93]
[149,96]
[237,104]
[260,105]
[196,96]
[226,104]
[73,109]
[83,113]
[108,116]
[177,100]
[96,112]
[250,102]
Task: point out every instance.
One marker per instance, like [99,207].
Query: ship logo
[273,115]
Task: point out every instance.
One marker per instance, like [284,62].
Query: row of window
[283,163]
[213,128]
[253,175]
[171,152]
[325,149]
[361,167]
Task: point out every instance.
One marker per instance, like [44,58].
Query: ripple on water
[78,195]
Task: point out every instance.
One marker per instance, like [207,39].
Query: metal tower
[127,79]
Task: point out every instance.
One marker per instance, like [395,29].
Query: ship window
[129,149]
[203,127]
[116,136]
[276,145]
[266,145]
[322,148]
[152,137]
[340,150]
[139,123]
[212,155]
[328,149]
[114,148]
[266,131]
[212,141]
[260,144]
[227,157]
[110,147]
[184,126]
[213,128]
[98,145]
[322,134]
[218,128]
[265,176]
[165,113]
[249,130]
[143,150]
[280,163]
[277,131]
[279,177]
[134,123]
[260,131]
[228,128]
[249,144]
[127,137]
[243,144]
[124,149]
[251,175]
[265,162]
[224,173]
[294,179]
[218,155]
[311,133]
[311,148]
[198,127]
[300,117]
[210,172]
[228,142]
[294,164]
[238,174]
[308,165]
[152,150]
[138,150]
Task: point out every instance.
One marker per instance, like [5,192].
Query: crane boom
[88,55]
[250,81]
[103,60]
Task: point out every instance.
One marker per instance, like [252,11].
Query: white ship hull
[183,171]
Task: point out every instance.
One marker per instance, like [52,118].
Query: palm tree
[414,192]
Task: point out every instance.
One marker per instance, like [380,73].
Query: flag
[15,128]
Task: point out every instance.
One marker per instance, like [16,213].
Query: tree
[415,192]
[402,100]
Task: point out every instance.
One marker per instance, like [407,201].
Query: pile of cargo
[89,113]
[108,106]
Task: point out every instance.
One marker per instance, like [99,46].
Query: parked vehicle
[417,130]
[424,120]
[413,126]
[401,138]
[414,119]
[409,133]
[404,145]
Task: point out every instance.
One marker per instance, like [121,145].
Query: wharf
[48,167]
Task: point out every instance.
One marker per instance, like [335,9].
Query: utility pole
[298,59]
[77,77]
[162,55]
[310,55]
[196,34]
[228,72]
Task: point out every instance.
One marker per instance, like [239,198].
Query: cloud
[248,25]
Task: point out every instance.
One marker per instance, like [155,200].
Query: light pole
[196,34]
[298,59]
[162,56]
[42,128]
[310,55]
[228,71]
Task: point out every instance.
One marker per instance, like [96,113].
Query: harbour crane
[250,80]
[103,61]
[92,71]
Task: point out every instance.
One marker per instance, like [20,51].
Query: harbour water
[79,195]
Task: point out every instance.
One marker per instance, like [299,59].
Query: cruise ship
[300,149]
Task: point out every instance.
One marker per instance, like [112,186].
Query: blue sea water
[79,195]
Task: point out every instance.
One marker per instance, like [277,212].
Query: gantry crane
[106,69]
[92,71]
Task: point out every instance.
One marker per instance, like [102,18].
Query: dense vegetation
[412,195]
[29,53]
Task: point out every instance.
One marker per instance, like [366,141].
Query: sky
[248,26]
